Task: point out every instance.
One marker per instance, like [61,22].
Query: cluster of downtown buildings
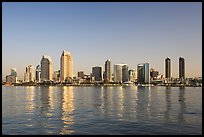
[118,75]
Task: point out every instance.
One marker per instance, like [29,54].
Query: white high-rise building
[118,73]
[29,75]
[121,73]
[66,66]
[46,68]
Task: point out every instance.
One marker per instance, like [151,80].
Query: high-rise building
[125,74]
[97,73]
[132,75]
[143,73]
[118,73]
[181,68]
[108,71]
[66,66]
[37,73]
[46,68]
[168,68]
[29,74]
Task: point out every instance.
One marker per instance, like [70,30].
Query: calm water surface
[101,110]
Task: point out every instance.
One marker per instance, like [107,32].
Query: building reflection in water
[30,99]
[142,103]
[181,100]
[168,103]
[67,110]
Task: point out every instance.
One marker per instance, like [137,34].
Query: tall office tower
[125,74]
[168,68]
[46,68]
[29,74]
[108,71]
[97,73]
[143,73]
[66,66]
[132,75]
[181,68]
[37,73]
[118,73]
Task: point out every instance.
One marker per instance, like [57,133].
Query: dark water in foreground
[101,110]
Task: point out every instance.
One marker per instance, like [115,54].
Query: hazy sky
[130,33]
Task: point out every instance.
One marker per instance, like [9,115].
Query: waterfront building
[13,72]
[168,68]
[37,73]
[46,68]
[29,74]
[12,78]
[153,73]
[118,73]
[56,76]
[143,73]
[97,73]
[181,68]
[125,74]
[108,71]
[66,66]
[81,74]
[132,75]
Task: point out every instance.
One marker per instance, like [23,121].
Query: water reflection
[67,110]
[142,104]
[30,99]
[168,103]
[181,100]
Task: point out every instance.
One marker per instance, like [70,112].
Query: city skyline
[120,32]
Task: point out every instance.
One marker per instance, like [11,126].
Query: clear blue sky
[130,33]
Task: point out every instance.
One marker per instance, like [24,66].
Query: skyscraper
[118,73]
[168,68]
[66,66]
[181,68]
[97,73]
[143,73]
[46,68]
[108,71]
[125,74]
[132,75]
[37,73]
[29,74]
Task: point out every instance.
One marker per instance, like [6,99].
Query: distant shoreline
[102,85]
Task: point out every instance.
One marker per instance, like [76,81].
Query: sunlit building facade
[66,66]
[29,75]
